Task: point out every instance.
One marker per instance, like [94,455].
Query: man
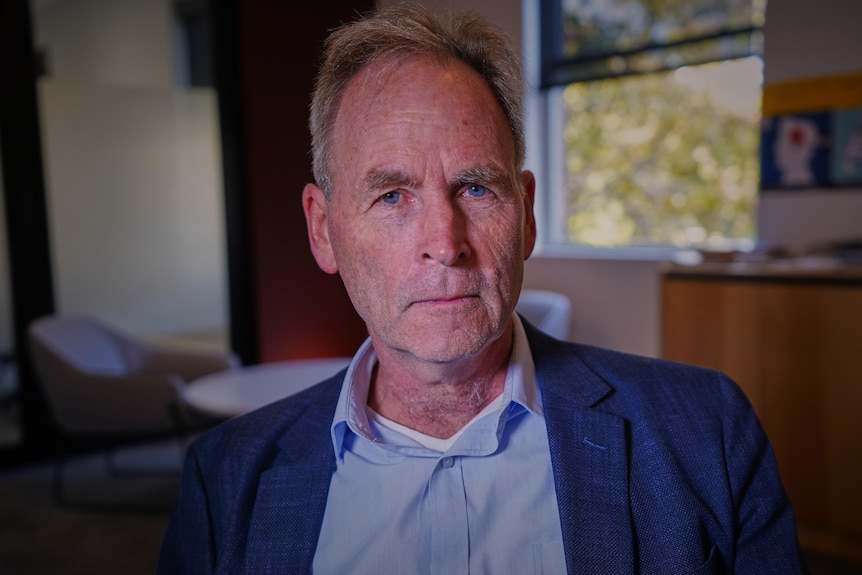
[461,439]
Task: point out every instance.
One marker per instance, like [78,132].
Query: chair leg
[58,480]
[58,492]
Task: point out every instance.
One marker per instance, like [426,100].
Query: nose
[444,234]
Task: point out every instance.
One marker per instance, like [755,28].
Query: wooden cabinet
[793,342]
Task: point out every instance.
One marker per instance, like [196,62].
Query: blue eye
[390,197]
[476,190]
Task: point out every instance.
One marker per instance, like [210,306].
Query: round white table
[237,391]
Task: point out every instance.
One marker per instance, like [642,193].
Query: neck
[439,399]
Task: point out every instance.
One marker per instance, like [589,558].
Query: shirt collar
[350,415]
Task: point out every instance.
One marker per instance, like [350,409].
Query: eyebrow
[490,174]
[384,178]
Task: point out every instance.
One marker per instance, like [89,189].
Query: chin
[442,338]
[454,345]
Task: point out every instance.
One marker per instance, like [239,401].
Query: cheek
[505,241]
[363,265]
[502,257]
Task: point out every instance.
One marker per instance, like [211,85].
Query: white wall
[132,168]
[805,39]
[135,208]
[617,302]
[112,42]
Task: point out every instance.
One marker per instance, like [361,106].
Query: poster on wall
[795,150]
[847,146]
[811,133]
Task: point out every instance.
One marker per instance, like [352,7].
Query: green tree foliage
[608,26]
[651,161]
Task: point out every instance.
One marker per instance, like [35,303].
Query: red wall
[301,311]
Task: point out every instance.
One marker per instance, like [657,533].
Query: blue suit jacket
[660,468]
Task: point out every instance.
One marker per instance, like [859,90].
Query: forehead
[420,107]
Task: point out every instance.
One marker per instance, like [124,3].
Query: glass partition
[132,169]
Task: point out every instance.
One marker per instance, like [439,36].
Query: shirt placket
[450,536]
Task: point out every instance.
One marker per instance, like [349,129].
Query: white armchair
[99,380]
[105,386]
[549,311]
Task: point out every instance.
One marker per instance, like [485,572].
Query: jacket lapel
[589,454]
[291,496]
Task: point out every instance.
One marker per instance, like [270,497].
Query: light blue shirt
[486,504]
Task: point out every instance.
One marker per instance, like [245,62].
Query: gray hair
[401,32]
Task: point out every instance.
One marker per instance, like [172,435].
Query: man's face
[429,221]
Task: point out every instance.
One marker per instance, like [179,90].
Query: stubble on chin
[443,337]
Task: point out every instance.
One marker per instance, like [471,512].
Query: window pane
[663,159]
[592,39]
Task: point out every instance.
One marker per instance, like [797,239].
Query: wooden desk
[792,339]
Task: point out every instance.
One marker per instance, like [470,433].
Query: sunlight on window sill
[685,256]
[632,253]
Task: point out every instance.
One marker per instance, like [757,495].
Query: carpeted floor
[111,525]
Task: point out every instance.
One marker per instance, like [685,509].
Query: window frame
[555,66]
[544,118]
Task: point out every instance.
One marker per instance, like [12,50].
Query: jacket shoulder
[254,436]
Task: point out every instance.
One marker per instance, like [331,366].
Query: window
[653,121]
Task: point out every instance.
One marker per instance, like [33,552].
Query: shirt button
[447,462]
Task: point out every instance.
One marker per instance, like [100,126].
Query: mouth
[445,301]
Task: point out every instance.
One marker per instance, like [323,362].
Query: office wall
[616,301]
[112,42]
[300,311]
[135,205]
[809,40]
[132,167]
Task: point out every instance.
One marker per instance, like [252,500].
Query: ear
[529,182]
[316,210]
